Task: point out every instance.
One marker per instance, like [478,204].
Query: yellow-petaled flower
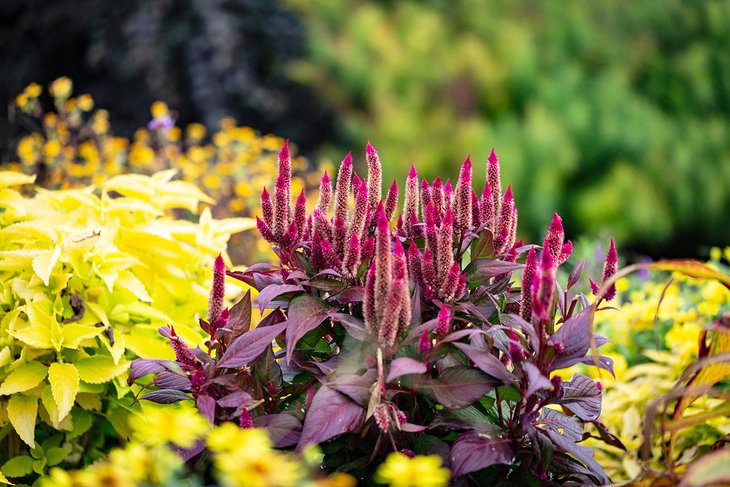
[174,134]
[196,131]
[100,124]
[161,425]
[71,104]
[51,149]
[85,102]
[28,148]
[61,88]
[399,470]
[227,123]
[21,100]
[141,155]
[211,181]
[33,90]
[243,189]
[236,205]
[159,109]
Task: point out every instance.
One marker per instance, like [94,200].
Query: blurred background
[615,114]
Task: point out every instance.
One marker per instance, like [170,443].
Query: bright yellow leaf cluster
[86,278]
[400,470]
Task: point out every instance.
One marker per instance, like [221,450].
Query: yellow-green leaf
[73,334]
[23,378]
[22,412]
[691,268]
[64,379]
[37,336]
[13,178]
[131,283]
[5,481]
[43,263]
[99,369]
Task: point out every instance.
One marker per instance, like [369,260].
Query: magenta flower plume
[300,212]
[506,216]
[282,205]
[342,189]
[324,200]
[543,288]
[424,344]
[431,231]
[218,290]
[360,214]
[267,209]
[486,209]
[411,196]
[461,287]
[351,262]
[448,195]
[368,249]
[388,332]
[450,282]
[426,198]
[554,239]
[565,252]
[528,276]
[375,175]
[444,250]
[513,225]
[368,305]
[428,270]
[339,235]
[265,231]
[317,259]
[501,240]
[463,199]
[516,352]
[494,181]
[475,210]
[383,265]
[594,286]
[391,200]
[183,354]
[245,421]
[322,225]
[414,263]
[443,322]
[400,268]
[290,237]
[610,266]
[437,198]
[331,259]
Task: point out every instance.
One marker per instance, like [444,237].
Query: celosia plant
[413,336]
[86,278]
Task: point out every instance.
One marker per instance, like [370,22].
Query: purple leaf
[487,363]
[574,336]
[239,321]
[331,414]
[552,420]
[535,380]
[352,295]
[516,321]
[166,396]
[269,293]
[246,348]
[235,399]
[171,380]
[582,397]
[284,429]
[305,314]
[403,366]
[580,452]
[412,428]
[474,451]
[457,387]
[606,363]
[353,325]
[206,406]
[356,387]
[480,270]
[188,453]
[575,274]
[145,366]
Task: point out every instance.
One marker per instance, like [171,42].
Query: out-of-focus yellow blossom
[159,109]
[85,102]
[399,470]
[228,123]
[182,426]
[196,131]
[246,458]
[51,148]
[61,88]
[33,90]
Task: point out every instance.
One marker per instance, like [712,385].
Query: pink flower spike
[450,283]
[494,181]
[361,211]
[322,225]
[443,322]
[543,288]
[555,237]
[424,344]
[331,259]
[610,267]
[565,252]
[342,189]
[369,300]
[300,212]
[218,290]
[486,209]
[444,250]
[516,353]
[368,249]
[282,205]
[461,287]
[324,201]
[427,268]
[352,257]
[505,220]
[475,210]
[388,333]
[267,209]
[411,197]
[437,198]
[594,287]
[425,197]
[265,231]
[391,200]
[431,231]
[375,175]
[528,275]
[245,422]
[383,264]
[448,195]
[285,175]
[414,263]
[339,235]
[463,200]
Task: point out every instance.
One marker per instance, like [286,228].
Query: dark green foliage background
[613,113]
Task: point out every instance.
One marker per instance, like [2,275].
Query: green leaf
[99,369]
[82,423]
[18,466]
[55,455]
[64,379]
[23,378]
[22,412]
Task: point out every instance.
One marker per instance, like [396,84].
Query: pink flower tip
[394,186]
[413,174]
[284,152]
[302,198]
[264,193]
[508,196]
[325,178]
[599,385]
[493,159]
[219,265]
[448,218]
[594,286]
[398,248]
[547,260]
[557,222]
[612,256]
[447,187]
[424,184]
[383,225]
[347,161]
[370,150]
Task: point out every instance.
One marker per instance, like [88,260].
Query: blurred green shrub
[613,113]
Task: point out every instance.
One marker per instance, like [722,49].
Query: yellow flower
[85,102]
[227,123]
[399,470]
[61,88]
[160,425]
[196,131]
[51,149]
[33,90]
[21,100]
[159,109]
[28,149]
[141,155]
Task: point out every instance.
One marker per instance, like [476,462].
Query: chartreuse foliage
[75,146]
[405,334]
[661,330]
[86,277]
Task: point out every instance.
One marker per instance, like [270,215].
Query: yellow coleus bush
[86,277]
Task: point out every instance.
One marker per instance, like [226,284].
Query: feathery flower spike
[218,290]
[543,288]
[528,276]
[554,239]
[443,321]
[463,199]
[267,209]
[391,200]
[411,196]
[324,200]
[494,182]
[342,188]
[383,265]
[375,175]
